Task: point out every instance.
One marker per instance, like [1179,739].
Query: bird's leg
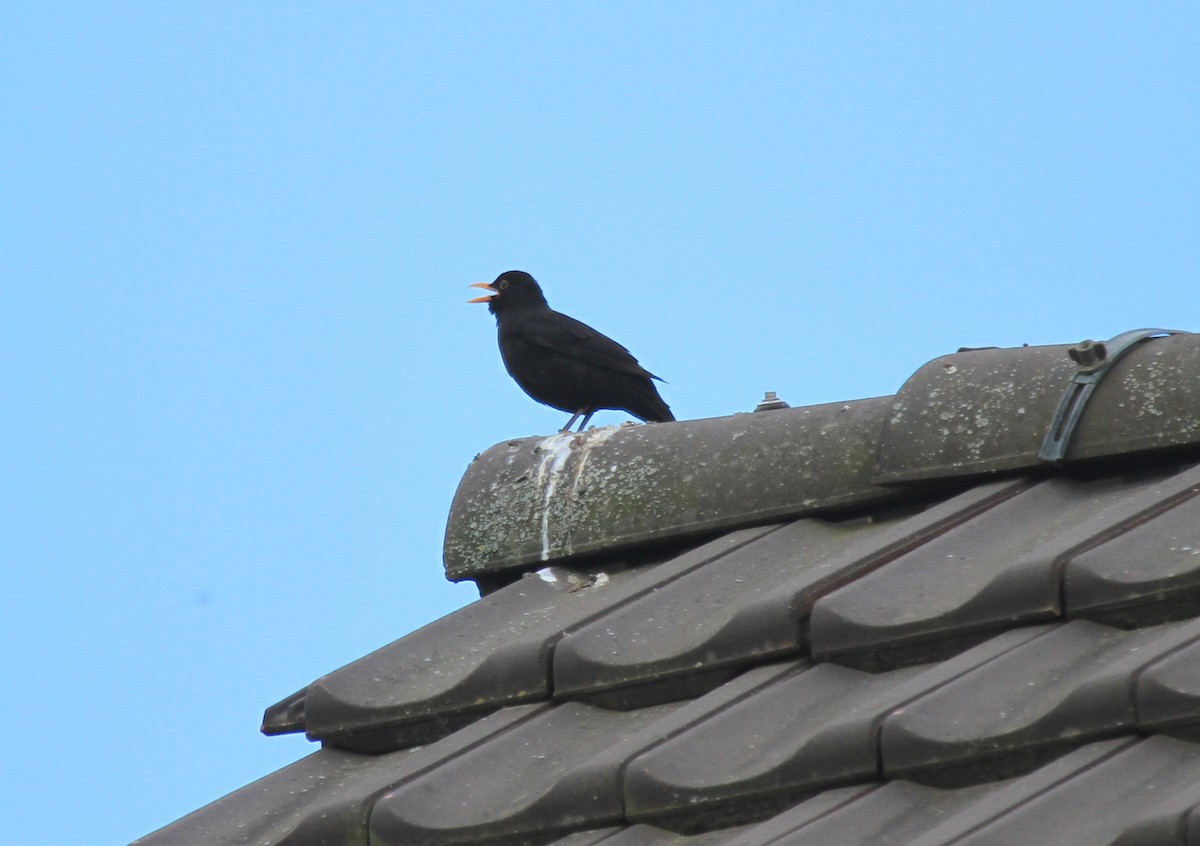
[584,413]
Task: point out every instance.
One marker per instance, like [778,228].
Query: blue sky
[241,382]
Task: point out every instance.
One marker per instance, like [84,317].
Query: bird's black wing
[569,337]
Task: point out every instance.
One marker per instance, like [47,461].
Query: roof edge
[974,413]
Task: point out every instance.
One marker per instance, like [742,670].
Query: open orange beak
[487,286]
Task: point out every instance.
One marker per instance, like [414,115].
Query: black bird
[563,363]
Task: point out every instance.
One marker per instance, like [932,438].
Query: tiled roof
[886,621]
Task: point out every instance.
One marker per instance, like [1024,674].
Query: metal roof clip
[1093,359]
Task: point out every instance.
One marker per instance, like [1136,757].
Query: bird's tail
[662,414]
[650,406]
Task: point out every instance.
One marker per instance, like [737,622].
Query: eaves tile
[329,789]
[480,658]
[493,653]
[326,797]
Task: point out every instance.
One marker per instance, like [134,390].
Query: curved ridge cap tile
[986,411]
[542,499]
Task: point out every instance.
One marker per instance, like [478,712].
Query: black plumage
[563,363]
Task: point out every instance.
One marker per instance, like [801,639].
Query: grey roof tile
[330,788]
[493,653]
[785,823]
[590,837]
[1001,568]
[891,815]
[1075,682]
[551,774]
[753,751]
[323,798]
[749,605]
[482,657]
[893,810]
[811,728]
[648,835]
[1148,573]
[1168,693]
[727,614]
[1081,799]
[655,695]
[1128,792]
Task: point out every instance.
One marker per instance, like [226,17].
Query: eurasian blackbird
[564,363]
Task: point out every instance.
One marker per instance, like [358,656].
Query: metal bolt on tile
[770,402]
[1089,355]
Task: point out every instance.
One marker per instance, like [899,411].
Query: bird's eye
[502,284]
